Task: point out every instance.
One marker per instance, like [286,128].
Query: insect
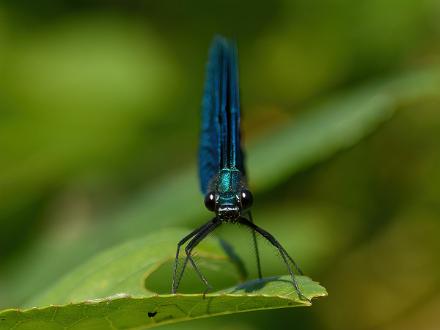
[221,163]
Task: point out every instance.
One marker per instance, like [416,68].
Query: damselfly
[221,163]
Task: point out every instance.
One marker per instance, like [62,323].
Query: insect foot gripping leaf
[108,291]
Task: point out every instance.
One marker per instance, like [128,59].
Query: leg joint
[188,250]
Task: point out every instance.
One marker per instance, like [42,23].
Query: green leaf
[296,145]
[108,291]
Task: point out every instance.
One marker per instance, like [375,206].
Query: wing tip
[222,43]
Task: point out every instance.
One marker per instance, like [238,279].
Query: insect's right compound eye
[210,201]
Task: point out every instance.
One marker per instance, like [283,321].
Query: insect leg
[194,242]
[280,248]
[257,252]
[176,261]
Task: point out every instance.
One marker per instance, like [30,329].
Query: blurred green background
[99,121]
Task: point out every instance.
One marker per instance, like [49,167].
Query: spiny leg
[292,261]
[282,251]
[257,252]
[179,245]
[193,243]
[179,277]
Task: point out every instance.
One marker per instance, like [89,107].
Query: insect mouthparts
[228,212]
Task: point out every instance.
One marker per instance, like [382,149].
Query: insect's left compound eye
[246,199]
[210,201]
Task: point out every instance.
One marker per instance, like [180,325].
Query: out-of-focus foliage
[99,107]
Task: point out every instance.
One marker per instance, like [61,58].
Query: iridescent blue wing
[210,146]
[236,158]
[220,135]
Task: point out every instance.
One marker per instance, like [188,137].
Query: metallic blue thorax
[228,186]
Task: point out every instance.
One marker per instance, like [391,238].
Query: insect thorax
[229,181]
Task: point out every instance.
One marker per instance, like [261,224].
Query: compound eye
[210,201]
[246,199]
